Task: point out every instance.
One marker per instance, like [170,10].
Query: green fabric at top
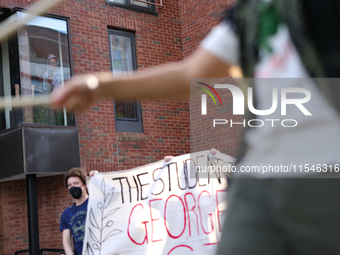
[268,22]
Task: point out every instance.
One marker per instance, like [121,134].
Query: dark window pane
[123,60]
[125,108]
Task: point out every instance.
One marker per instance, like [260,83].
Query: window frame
[132,7]
[132,125]
[2,93]
[54,16]
[9,13]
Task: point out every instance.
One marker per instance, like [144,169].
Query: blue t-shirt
[73,218]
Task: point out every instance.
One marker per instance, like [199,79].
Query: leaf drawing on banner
[93,237]
[108,198]
[98,240]
[89,249]
[93,220]
[112,233]
[103,187]
[111,212]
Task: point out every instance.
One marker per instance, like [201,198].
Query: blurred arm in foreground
[167,81]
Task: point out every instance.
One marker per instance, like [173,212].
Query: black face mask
[75,192]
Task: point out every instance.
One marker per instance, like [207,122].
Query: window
[34,62]
[134,5]
[123,60]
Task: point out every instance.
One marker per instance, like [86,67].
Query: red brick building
[162,35]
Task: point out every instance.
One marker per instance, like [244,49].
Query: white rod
[13,102]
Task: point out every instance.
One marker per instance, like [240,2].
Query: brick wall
[198,17]
[53,198]
[13,223]
[158,41]
[225,138]
[168,37]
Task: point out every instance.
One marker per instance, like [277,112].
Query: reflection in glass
[125,108]
[121,57]
[131,2]
[118,1]
[121,54]
[139,3]
[44,66]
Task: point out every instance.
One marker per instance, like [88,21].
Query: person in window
[51,78]
[73,218]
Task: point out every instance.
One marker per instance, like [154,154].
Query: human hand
[78,93]
[213,151]
[92,173]
[50,78]
[167,158]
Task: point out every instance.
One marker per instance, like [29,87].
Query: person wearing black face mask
[73,218]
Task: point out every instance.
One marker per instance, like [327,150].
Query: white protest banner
[173,207]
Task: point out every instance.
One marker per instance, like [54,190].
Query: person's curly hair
[75,172]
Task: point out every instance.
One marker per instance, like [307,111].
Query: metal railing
[41,251]
[21,251]
[61,251]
